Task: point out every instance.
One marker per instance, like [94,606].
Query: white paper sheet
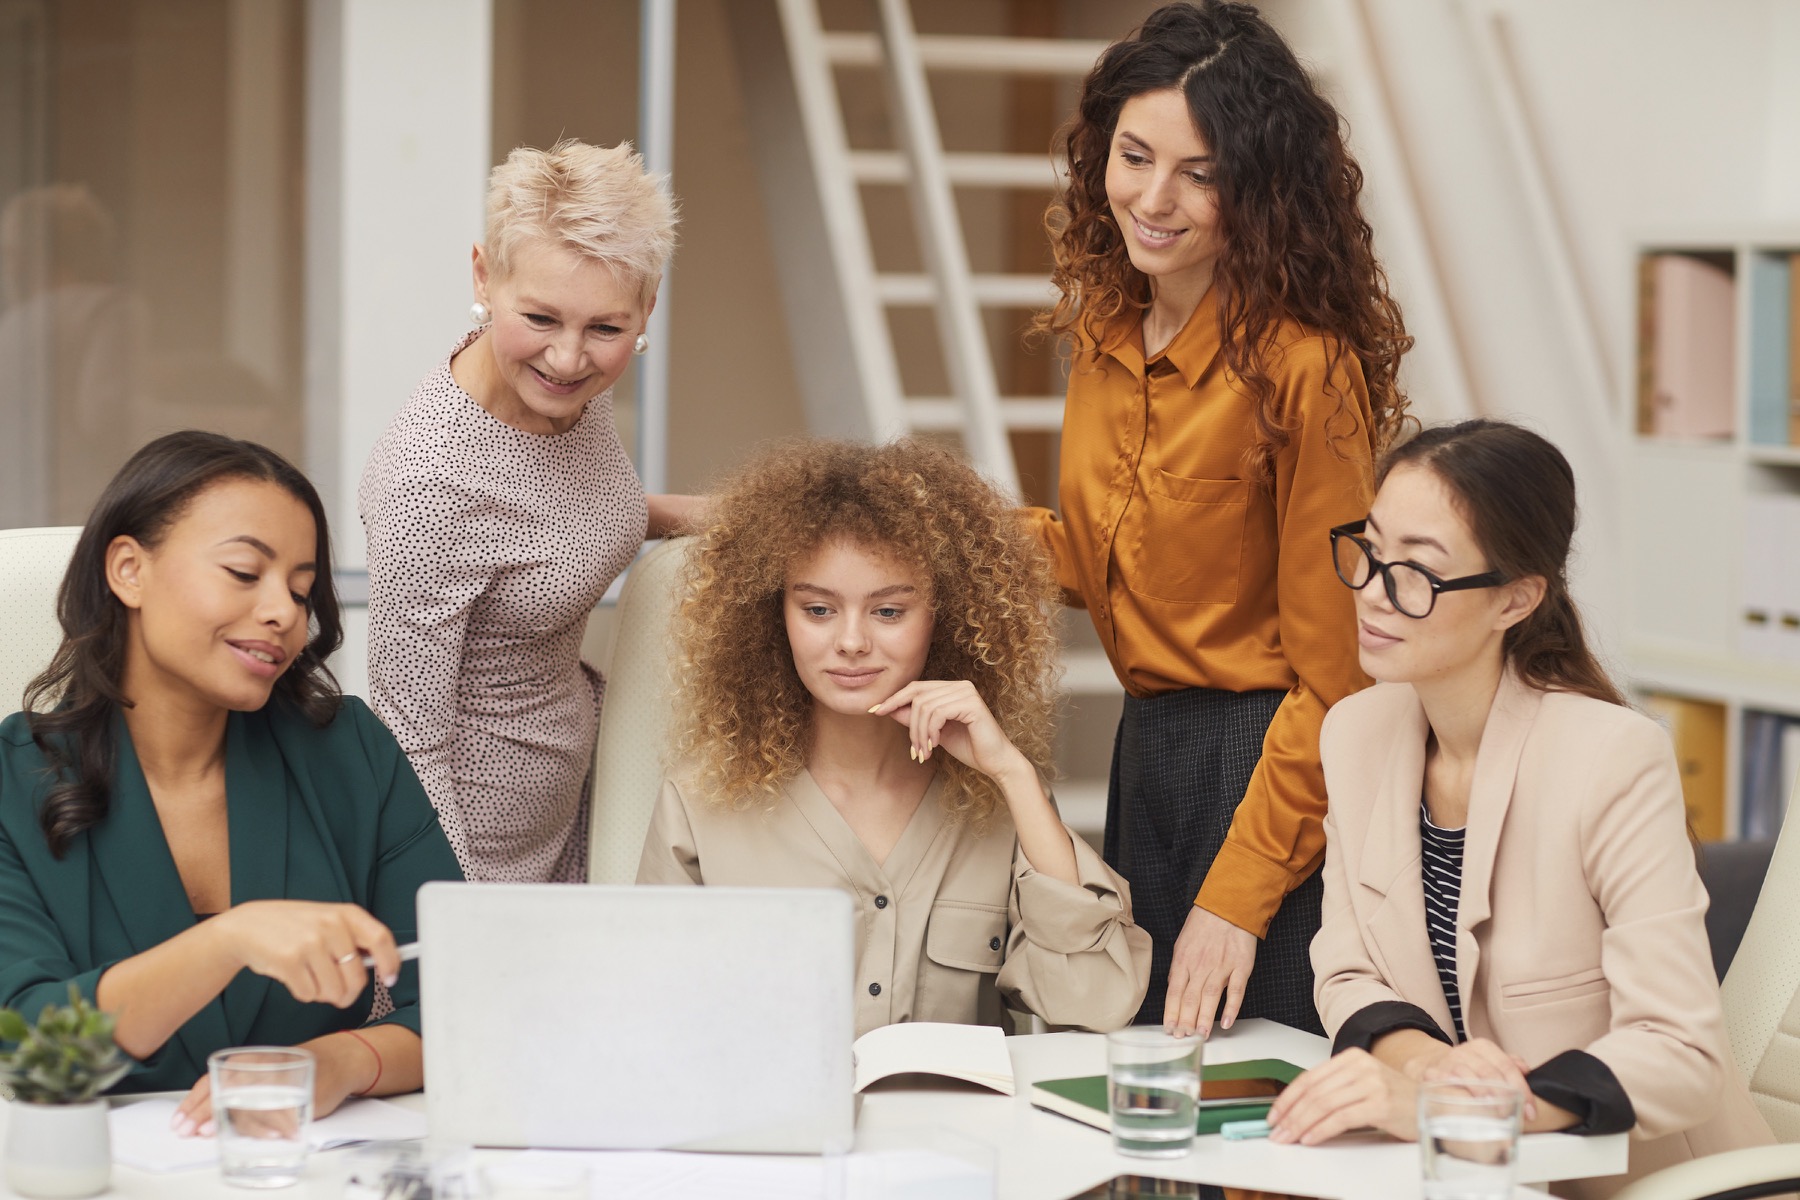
[142,1139]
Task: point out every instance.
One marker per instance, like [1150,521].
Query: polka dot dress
[488,547]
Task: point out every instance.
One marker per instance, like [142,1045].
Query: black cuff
[1383,1017]
[1577,1081]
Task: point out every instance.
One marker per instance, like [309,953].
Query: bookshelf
[1711,428]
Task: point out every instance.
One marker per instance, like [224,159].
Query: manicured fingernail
[929,747]
[208,1129]
[873,707]
[185,1126]
[389,981]
[175,1119]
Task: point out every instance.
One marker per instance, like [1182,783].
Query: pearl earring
[642,345]
[479,314]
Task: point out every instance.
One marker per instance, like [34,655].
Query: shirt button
[874,989]
[993,943]
[881,902]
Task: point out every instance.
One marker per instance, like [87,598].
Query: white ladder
[823,244]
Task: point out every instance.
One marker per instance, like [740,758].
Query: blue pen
[1239,1131]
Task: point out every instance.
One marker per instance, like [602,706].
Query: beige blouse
[954,926]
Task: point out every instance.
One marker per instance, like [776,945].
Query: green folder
[1084,1098]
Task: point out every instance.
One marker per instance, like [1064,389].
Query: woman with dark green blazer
[195,829]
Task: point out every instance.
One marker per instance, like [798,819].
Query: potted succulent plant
[56,1134]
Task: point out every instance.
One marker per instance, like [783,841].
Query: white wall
[399,102]
[1647,113]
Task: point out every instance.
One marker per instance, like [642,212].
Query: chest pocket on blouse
[964,945]
[1186,539]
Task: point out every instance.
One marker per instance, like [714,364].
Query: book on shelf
[1769,603]
[1688,348]
[1697,728]
[1771,761]
[1793,341]
[1772,396]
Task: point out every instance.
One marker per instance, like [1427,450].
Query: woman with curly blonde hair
[1234,358]
[865,703]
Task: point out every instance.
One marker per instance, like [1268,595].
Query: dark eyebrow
[263,548]
[1134,138]
[1414,540]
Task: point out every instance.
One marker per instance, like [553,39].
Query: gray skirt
[1181,764]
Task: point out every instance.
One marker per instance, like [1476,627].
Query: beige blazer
[1581,919]
[953,926]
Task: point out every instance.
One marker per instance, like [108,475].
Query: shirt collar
[1191,351]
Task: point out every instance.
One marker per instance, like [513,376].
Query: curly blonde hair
[744,719]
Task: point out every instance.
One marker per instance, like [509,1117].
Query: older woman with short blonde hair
[500,504]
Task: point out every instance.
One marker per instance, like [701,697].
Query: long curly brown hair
[744,719]
[1295,245]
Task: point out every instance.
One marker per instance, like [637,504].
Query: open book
[975,1053]
[1235,1091]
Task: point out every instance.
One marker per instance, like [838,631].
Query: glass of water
[1469,1139]
[1152,1091]
[262,1098]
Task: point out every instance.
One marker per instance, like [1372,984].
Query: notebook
[1236,1091]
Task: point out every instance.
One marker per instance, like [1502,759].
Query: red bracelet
[370,1047]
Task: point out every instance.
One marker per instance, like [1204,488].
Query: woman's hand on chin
[1351,1090]
[949,714]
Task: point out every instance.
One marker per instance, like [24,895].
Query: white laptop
[613,1018]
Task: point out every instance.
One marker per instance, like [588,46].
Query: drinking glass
[1468,1139]
[1152,1091]
[262,1098]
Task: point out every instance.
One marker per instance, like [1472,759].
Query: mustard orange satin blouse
[1195,576]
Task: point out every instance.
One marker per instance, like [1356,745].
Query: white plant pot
[58,1151]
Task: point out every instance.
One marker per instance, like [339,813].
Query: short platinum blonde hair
[596,200]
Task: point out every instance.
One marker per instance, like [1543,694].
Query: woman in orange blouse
[1234,355]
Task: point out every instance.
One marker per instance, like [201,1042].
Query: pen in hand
[408,953]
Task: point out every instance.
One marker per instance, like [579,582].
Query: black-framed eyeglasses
[1411,588]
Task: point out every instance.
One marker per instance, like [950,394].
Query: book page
[976,1053]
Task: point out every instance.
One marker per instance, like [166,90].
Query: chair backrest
[32,562]
[634,724]
[1762,990]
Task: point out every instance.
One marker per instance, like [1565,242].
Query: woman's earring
[479,314]
[642,345]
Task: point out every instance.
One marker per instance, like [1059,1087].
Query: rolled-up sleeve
[1073,955]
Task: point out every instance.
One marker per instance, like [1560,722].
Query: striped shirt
[1441,872]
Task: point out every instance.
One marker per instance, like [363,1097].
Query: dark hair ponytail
[79,690]
[1517,492]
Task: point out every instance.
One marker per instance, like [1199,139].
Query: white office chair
[634,724]
[1762,1022]
[32,562]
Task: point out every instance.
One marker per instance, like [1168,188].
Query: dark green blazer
[315,814]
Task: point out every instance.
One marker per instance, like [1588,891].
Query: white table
[1047,1157]
[1042,1156]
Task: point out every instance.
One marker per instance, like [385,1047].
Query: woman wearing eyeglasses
[1510,891]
